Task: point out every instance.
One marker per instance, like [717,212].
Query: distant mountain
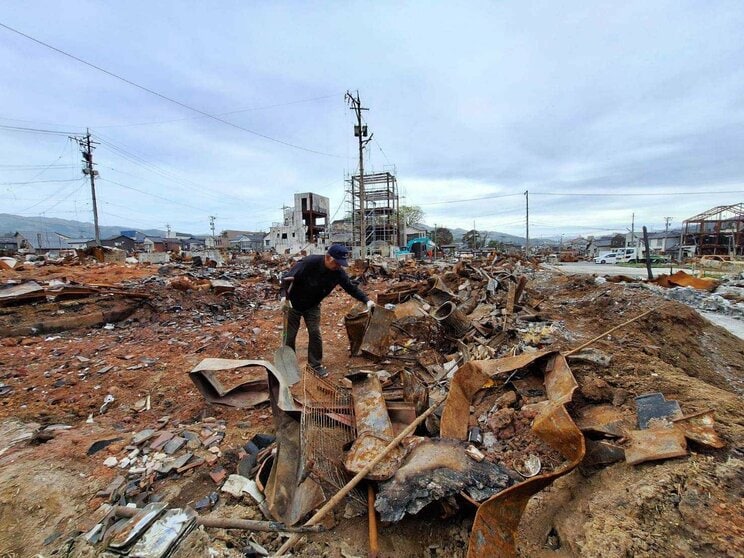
[492,235]
[74,229]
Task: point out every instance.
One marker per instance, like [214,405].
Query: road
[609,269]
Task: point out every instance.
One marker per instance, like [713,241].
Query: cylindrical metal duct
[453,321]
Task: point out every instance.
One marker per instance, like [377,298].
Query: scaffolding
[718,231]
[380,204]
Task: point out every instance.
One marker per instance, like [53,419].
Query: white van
[608,258]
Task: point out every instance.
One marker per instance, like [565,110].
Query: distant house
[154,244]
[194,243]
[121,242]
[8,244]
[604,244]
[415,230]
[249,242]
[79,243]
[41,242]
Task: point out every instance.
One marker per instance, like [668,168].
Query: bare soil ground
[690,506]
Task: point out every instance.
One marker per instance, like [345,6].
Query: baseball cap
[339,252]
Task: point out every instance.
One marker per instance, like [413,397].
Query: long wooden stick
[341,494]
[374,547]
[577,349]
[231,523]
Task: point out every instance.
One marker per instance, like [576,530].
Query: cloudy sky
[601,110]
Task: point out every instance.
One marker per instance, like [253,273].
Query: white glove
[284,303]
[370,305]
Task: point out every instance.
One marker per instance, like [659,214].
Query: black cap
[339,252]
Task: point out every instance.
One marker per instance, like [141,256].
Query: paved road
[609,269]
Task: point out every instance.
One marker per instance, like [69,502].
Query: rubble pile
[468,389]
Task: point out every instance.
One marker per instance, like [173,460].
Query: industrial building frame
[718,231]
[380,202]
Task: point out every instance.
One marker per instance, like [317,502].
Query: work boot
[320,371]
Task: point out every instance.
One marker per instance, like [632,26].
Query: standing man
[304,287]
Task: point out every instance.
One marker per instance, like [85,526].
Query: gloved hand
[284,303]
[370,305]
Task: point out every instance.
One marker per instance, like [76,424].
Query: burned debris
[465,392]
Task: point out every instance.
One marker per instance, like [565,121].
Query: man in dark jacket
[304,287]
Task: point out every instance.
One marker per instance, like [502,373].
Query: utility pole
[211,226]
[87,146]
[527,231]
[360,131]
[667,220]
[632,231]
[168,229]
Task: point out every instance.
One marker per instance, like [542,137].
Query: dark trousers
[312,322]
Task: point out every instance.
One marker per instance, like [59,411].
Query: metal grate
[326,429]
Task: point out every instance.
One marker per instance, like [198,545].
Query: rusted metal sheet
[468,380]
[604,419]
[374,429]
[248,389]
[655,444]
[356,322]
[290,494]
[682,279]
[699,428]
[496,521]
[25,292]
[377,337]
[600,453]
[137,525]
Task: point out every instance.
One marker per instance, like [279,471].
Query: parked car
[609,258]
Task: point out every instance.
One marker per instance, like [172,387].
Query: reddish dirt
[683,507]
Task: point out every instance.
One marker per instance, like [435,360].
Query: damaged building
[716,232]
[303,228]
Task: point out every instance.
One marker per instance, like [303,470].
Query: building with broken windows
[304,226]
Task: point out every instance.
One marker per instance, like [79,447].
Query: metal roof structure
[717,231]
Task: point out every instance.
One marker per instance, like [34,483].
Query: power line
[238,111]
[35,130]
[488,197]
[151,194]
[155,122]
[37,182]
[635,194]
[165,97]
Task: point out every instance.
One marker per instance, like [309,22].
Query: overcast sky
[472,103]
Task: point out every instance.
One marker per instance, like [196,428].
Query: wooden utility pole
[527,230]
[648,253]
[87,146]
[360,131]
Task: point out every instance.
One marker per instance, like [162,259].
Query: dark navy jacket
[313,281]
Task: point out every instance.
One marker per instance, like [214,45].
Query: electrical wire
[166,98]
[150,194]
[35,130]
[228,113]
[37,182]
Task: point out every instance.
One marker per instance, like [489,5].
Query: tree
[442,236]
[472,239]
[410,214]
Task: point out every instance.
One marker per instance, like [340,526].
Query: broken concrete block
[111,461]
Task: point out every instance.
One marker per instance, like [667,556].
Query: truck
[635,254]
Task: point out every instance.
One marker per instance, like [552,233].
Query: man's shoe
[319,371]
